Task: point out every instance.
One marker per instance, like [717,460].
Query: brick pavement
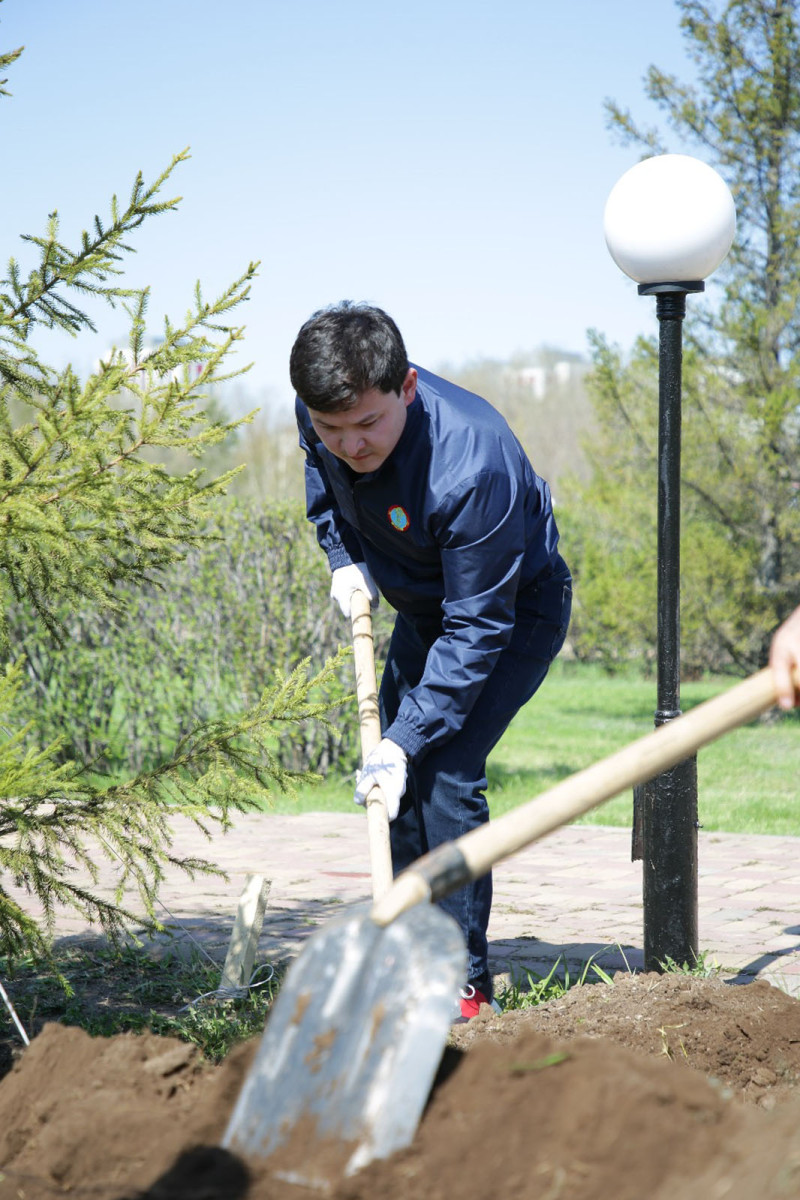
[574,894]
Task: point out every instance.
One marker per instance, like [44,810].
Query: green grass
[537,989]
[747,779]
[107,990]
[532,989]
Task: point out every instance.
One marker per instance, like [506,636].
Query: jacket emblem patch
[399,518]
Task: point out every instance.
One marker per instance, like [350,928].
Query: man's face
[364,436]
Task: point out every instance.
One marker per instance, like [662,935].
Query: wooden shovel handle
[380,854]
[451,866]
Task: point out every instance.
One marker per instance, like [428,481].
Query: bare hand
[784,658]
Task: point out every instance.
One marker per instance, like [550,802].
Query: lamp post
[669,222]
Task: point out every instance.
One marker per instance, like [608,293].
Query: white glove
[385,766]
[354,578]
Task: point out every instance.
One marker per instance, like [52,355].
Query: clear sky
[445,159]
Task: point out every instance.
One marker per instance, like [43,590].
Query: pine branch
[85,270]
[6,59]
[80,505]
[53,824]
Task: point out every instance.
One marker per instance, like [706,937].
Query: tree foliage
[82,503]
[88,514]
[741,421]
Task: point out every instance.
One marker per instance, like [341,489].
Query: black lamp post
[669,218]
[668,803]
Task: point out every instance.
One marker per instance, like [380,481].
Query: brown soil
[652,1087]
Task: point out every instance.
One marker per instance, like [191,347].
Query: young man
[419,491]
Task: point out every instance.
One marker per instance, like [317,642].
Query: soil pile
[654,1086]
[746,1037]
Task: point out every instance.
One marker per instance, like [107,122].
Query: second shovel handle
[369,722]
[470,856]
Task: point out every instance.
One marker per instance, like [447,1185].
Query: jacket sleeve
[482,537]
[334,534]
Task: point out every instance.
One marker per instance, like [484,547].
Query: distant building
[534,378]
[540,379]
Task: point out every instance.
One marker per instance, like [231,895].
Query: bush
[202,643]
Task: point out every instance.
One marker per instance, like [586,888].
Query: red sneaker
[471,1000]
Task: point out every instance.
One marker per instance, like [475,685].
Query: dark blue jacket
[458,532]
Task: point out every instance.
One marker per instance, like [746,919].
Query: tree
[85,508]
[741,473]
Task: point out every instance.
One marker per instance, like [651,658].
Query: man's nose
[352,443]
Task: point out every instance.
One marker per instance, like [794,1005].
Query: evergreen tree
[741,423]
[85,508]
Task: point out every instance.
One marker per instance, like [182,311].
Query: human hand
[353,578]
[784,657]
[384,767]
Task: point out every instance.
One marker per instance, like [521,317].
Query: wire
[234,993]
[14,1016]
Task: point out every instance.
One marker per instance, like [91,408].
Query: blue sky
[446,159]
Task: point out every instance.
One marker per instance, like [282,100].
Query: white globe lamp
[670,218]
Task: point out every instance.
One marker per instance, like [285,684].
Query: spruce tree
[86,507]
[741,421]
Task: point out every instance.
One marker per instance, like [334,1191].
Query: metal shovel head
[351,1046]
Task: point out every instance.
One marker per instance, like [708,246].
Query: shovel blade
[351,1046]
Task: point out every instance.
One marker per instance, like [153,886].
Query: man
[420,492]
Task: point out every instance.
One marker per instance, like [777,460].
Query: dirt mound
[99,1116]
[655,1086]
[745,1037]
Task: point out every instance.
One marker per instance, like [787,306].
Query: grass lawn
[748,780]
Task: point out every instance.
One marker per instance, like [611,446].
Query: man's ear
[409,389]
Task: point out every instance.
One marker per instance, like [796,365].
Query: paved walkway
[576,894]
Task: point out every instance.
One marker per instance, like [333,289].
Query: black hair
[346,350]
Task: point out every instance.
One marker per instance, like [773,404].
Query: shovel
[380,854]
[356,1034]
